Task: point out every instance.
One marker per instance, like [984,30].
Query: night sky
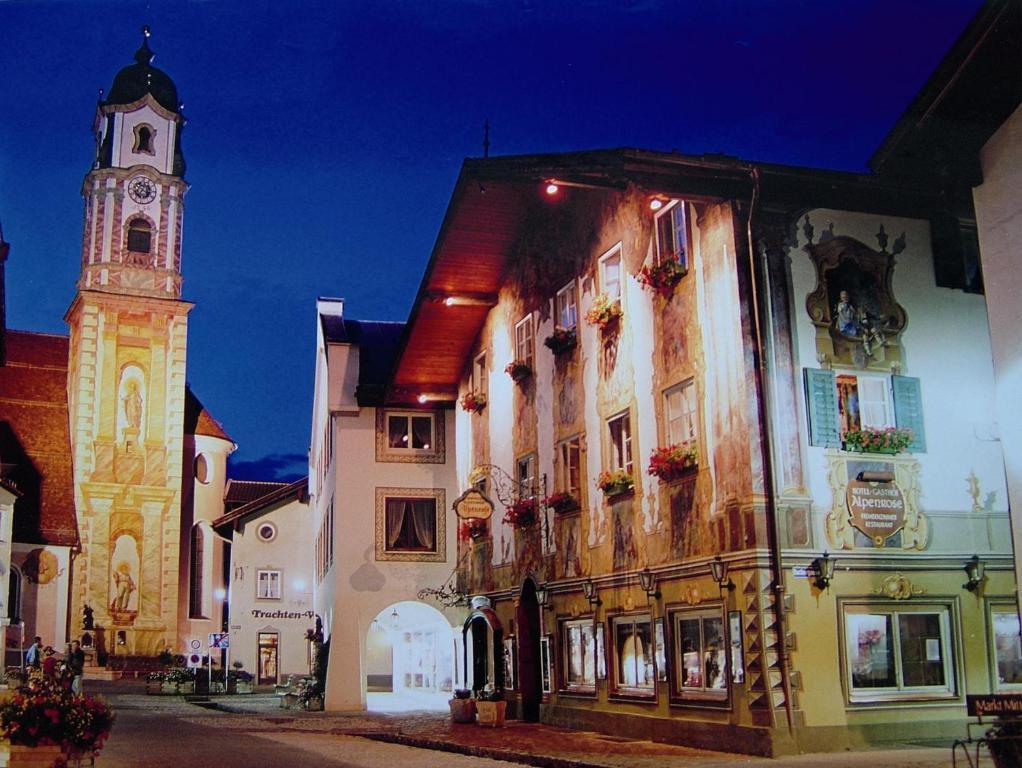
[324,139]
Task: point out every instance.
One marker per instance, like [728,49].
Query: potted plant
[604,312]
[473,402]
[561,340]
[310,695]
[890,440]
[663,277]
[518,370]
[522,512]
[673,461]
[491,707]
[562,501]
[238,680]
[472,529]
[615,483]
[463,706]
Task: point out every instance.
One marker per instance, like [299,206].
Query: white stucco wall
[999,218]
[293,613]
[946,345]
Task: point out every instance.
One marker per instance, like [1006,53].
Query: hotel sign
[1001,704]
[877,509]
[473,505]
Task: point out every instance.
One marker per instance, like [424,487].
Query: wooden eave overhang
[492,197]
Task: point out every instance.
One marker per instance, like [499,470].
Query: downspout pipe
[773,538]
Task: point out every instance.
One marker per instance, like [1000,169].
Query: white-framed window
[567,306]
[268,585]
[700,653]
[680,413]
[610,273]
[895,651]
[524,341]
[526,470]
[1007,650]
[412,431]
[672,233]
[864,402]
[569,466]
[479,374]
[579,645]
[619,434]
[634,670]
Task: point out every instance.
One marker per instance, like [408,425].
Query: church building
[120,468]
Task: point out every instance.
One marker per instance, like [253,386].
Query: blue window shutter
[821,401]
[908,409]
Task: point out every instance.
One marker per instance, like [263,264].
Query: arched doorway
[530,680]
[483,641]
[409,659]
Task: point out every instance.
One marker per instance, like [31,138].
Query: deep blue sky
[324,140]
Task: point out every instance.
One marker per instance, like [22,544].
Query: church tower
[126,373]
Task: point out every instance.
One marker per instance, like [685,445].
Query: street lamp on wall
[719,570]
[647,580]
[976,571]
[824,567]
[591,593]
[542,595]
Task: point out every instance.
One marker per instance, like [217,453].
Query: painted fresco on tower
[131,407]
[124,580]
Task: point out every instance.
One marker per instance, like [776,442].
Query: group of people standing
[67,672]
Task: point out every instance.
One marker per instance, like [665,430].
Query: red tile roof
[35,445]
[240,492]
[282,493]
[199,421]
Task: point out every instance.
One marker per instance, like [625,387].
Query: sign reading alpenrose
[473,505]
[875,508]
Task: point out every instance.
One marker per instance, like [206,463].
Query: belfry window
[140,236]
[144,139]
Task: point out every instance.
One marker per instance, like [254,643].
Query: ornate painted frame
[440,496]
[387,455]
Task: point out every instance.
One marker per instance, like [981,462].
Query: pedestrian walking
[49,665]
[76,663]
[33,656]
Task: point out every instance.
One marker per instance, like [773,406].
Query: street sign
[219,640]
[194,645]
[194,660]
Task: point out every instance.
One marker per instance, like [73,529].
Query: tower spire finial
[143,55]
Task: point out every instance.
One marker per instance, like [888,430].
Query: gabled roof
[493,198]
[377,342]
[35,444]
[282,494]
[199,421]
[974,89]
[241,492]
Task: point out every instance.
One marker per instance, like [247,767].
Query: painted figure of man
[124,585]
[845,317]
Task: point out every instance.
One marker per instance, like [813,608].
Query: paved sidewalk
[526,743]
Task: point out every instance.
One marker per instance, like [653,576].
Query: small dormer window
[140,235]
[144,135]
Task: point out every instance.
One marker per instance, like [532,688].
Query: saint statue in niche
[845,317]
[858,323]
[132,404]
[124,585]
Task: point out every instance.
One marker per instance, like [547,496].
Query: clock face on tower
[141,190]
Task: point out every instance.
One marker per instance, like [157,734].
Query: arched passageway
[410,659]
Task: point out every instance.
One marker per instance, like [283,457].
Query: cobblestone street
[254,730]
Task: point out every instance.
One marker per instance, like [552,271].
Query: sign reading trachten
[876,508]
[473,505]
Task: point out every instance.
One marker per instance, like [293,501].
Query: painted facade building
[381,481]
[690,386]
[271,578]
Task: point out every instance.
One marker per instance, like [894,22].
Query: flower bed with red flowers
[473,401]
[890,440]
[562,501]
[672,461]
[663,277]
[522,513]
[44,714]
[471,529]
[561,340]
